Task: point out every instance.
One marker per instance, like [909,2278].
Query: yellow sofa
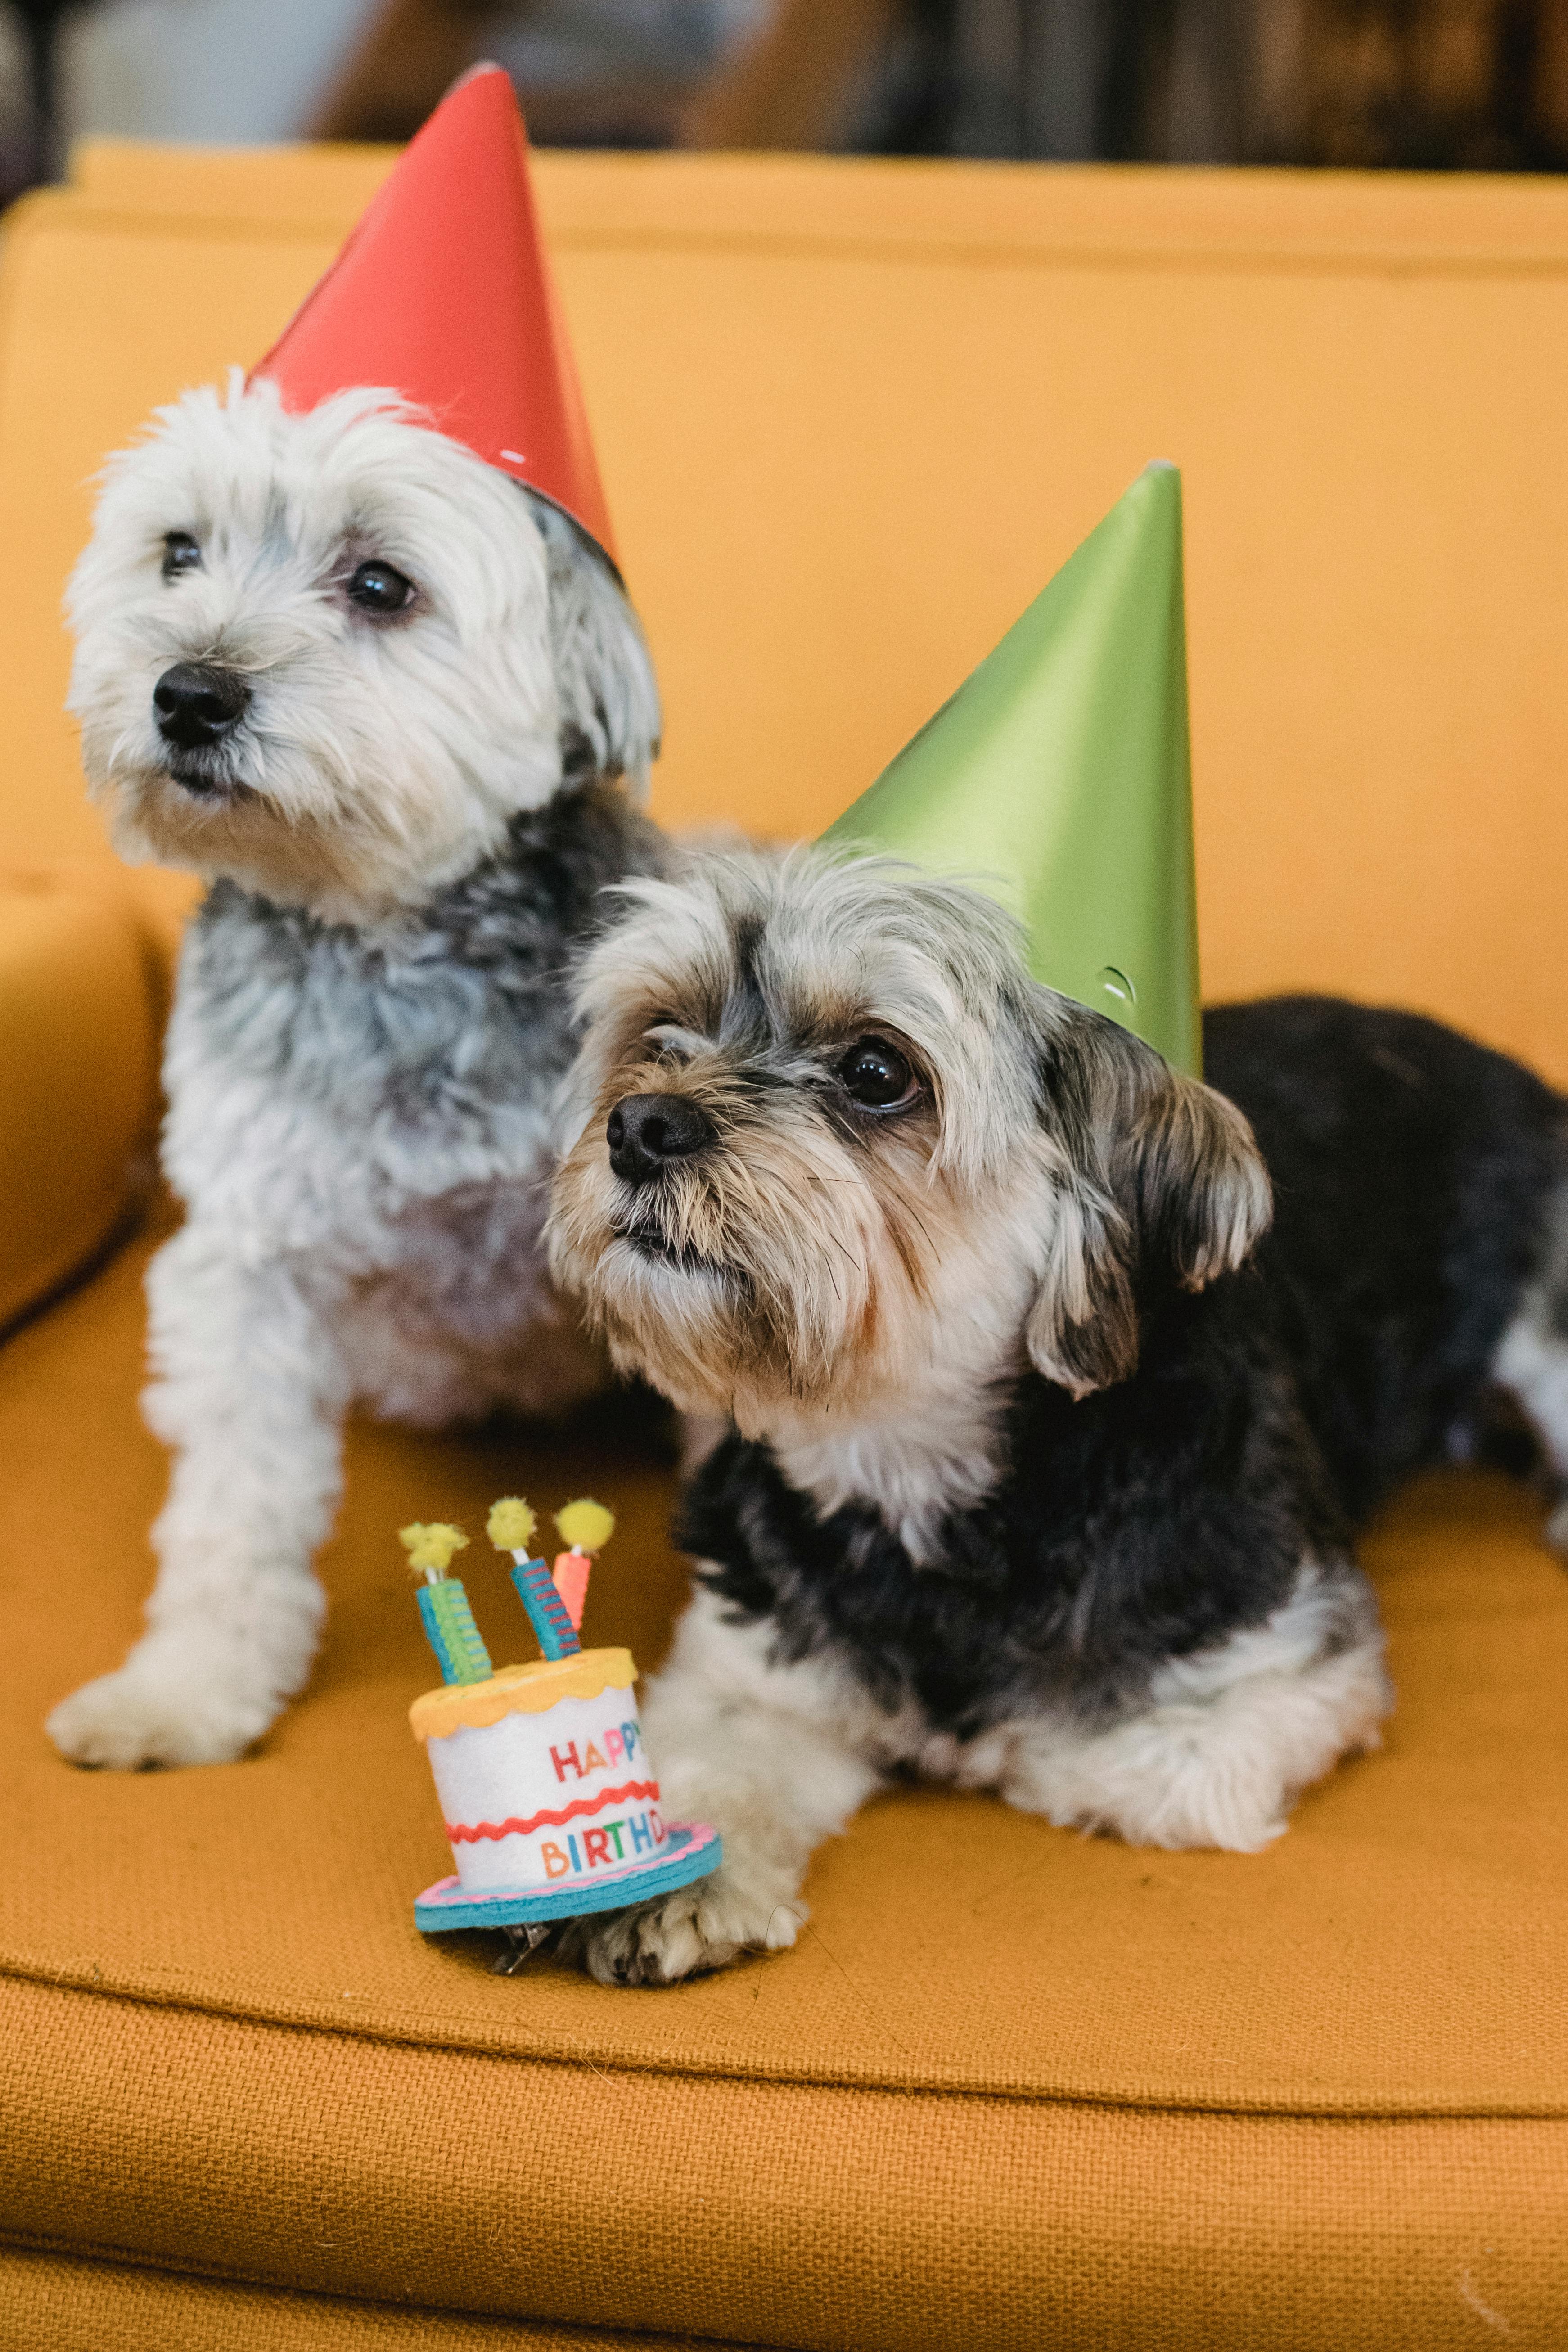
[1013,2088]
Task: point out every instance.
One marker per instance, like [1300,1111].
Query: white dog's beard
[230,829]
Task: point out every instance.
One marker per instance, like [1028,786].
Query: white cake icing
[542,1772]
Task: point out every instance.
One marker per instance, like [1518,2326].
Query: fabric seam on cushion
[1000,253]
[74,1272]
[119,2258]
[1346,2111]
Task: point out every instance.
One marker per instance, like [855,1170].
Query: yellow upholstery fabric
[1013,2088]
[282,1888]
[77,1052]
[58,2302]
[1327,2084]
[822,2218]
[851,416]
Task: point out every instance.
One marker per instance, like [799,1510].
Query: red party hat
[443,294]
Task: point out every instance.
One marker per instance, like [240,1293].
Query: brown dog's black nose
[197,703]
[644,1131]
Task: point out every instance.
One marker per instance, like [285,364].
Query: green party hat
[1057,779]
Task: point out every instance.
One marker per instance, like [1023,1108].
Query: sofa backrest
[852,415]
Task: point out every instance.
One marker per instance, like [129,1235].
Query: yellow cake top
[519,1690]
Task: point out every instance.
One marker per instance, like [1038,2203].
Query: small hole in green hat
[1116,983]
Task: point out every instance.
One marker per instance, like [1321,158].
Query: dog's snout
[645,1131]
[197,703]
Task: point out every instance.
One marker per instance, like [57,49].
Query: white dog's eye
[379,588]
[876,1075]
[181,553]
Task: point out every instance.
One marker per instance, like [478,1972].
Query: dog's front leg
[766,1754]
[251,1393]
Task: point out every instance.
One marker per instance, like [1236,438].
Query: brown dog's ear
[1161,1176]
[1082,1330]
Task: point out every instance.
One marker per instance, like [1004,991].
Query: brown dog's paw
[689,1933]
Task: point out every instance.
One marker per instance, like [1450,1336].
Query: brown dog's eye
[379,588]
[671,1041]
[181,553]
[876,1075]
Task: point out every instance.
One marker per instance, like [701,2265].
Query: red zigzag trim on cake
[456,1834]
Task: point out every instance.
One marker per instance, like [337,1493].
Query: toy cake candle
[549,1797]
[443,1604]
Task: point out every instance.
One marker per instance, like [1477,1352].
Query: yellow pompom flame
[510,1524]
[584,1526]
[430,1546]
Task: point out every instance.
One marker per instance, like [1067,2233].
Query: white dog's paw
[687,1934]
[156,1713]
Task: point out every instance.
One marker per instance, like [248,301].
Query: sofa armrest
[78,1094]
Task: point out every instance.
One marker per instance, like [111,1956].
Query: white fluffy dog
[385,702]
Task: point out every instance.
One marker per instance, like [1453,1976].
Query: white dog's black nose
[197,703]
[645,1131]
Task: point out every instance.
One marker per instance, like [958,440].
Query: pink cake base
[691,1851]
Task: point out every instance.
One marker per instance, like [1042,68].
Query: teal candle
[454,1636]
[547,1610]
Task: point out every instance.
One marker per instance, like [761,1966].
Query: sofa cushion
[77,1075]
[993,2035]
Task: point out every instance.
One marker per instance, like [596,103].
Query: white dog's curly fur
[423,687]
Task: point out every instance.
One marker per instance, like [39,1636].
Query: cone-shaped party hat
[443,294]
[1057,779]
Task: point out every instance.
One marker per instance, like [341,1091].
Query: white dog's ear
[609,699]
[1163,1180]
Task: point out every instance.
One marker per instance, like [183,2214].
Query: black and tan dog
[1048,1447]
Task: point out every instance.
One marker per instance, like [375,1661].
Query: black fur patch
[1267,1417]
[1413,1170]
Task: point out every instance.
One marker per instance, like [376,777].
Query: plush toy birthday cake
[549,1801]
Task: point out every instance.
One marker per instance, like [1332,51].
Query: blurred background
[1445,84]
